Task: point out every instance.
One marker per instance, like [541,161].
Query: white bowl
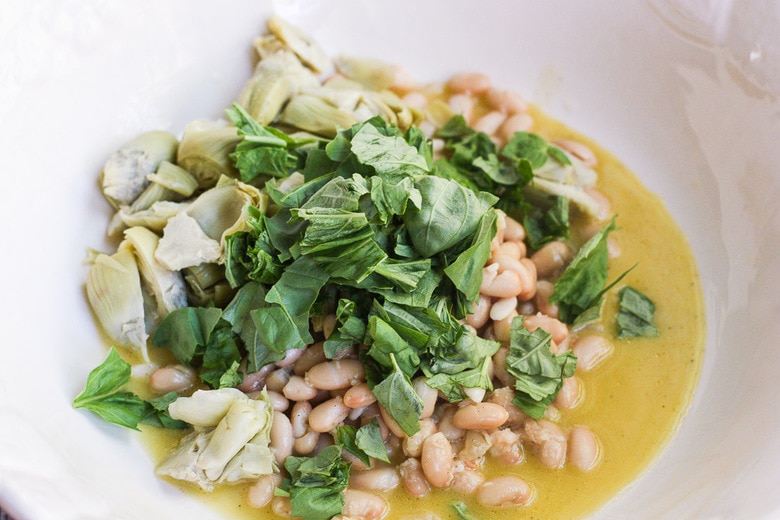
[685,93]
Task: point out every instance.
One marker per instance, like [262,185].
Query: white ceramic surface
[685,92]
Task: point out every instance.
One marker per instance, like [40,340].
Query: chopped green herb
[636,314]
[462,511]
[316,484]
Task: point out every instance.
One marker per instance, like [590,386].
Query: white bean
[282,439]
[412,446]
[277,379]
[515,123]
[359,396]
[506,446]
[504,491]
[336,375]
[578,150]
[465,480]
[413,477]
[570,394]
[554,327]
[548,440]
[490,122]
[381,479]
[427,395]
[326,416]
[591,350]
[261,492]
[290,357]
[278,402]
[173,378]
[481,312]
[312,355]
[502,308]
[462,104]
[480,416]
[363,505]
[584,448]
[297,389]
[506,101]
[551,258]
[436,460]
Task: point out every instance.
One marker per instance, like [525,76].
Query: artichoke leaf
[184,244]
[124,175]
[167,286]
[114,293]
[205,407]
[566,180]
[205,151]
[371,73]
[308,51]
[154,218]
[175,178]
[316,115]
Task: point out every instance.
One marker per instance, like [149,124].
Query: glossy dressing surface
[633,402]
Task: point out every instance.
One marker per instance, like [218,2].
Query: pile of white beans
[312,395]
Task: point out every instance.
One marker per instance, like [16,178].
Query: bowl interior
[685,95]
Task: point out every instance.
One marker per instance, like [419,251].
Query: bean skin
[173,378]
[504,491]
[480,416]
[551,258]
[363,505]
[281,506]
[297,389]
[466,480]
[507,447]
[359,396]
[336,375]
[326,416]
[436,460]
[427,395]
[380,479]
[591,351]
[548,440]
[481,314]
[281,436]
[584,448]
[413,478]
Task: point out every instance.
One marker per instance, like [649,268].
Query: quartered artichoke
[114,293]
[124,175]
[230,442]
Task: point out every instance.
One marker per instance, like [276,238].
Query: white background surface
[684,92]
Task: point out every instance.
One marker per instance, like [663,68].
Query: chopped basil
[462,511]
[316,484]
[635,315]
[537,371]
[364,442]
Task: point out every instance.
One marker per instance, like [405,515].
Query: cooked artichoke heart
[124,175]
[114,293]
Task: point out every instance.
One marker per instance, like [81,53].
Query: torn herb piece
[636,314]
[316,484]
[582,283]
[462,511]
[544,226]
[364,442]
[537,371]
[396,394]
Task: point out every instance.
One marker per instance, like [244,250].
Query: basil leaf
[396,394]
[157,413]
[104,396]
[543,227]
[186,331]
[316,484]
[449,214]
[635,315]
[369,440]
[581,284]
[364,443]
[537,371]
[387,154]
[466,271]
